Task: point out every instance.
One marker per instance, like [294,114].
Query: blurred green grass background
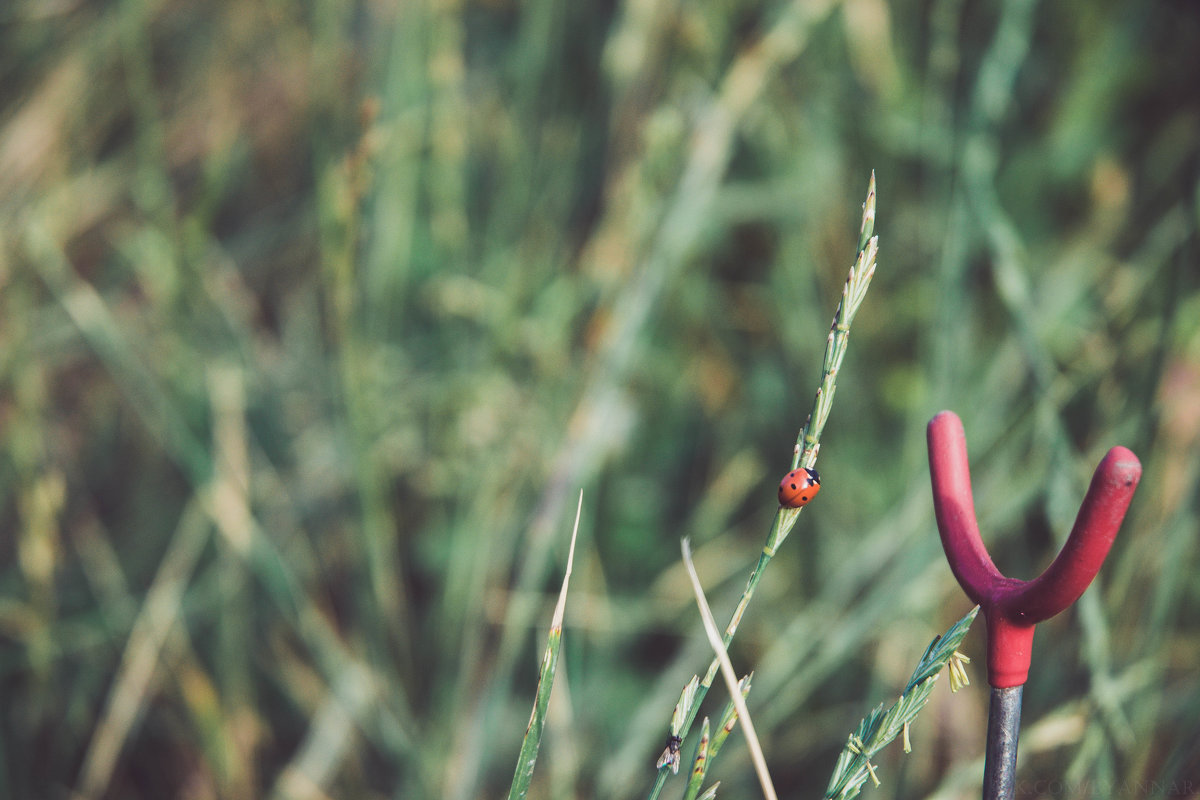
[315,317]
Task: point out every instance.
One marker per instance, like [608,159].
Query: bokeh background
[315,317]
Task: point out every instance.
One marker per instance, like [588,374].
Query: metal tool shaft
[1004,725]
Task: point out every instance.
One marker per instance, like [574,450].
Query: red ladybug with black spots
[798,487]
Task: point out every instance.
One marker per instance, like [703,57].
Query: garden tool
[1013,607]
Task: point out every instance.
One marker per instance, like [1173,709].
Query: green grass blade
[523,774]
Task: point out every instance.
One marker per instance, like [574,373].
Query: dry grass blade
[731,679]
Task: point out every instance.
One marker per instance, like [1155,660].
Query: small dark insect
[671,754]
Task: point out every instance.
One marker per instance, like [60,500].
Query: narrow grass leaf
[537,719]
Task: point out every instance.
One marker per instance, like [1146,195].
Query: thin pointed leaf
[523,775]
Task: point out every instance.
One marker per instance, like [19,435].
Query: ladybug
[798,487]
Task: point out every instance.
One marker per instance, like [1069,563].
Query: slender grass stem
[808,443]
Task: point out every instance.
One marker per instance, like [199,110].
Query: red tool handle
[1012,607]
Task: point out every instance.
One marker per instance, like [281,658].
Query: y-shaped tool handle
[1012,607]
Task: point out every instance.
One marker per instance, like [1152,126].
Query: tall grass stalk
[808,443]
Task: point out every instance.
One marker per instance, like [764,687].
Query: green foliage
[880,728]
[315,317]
[527,758]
